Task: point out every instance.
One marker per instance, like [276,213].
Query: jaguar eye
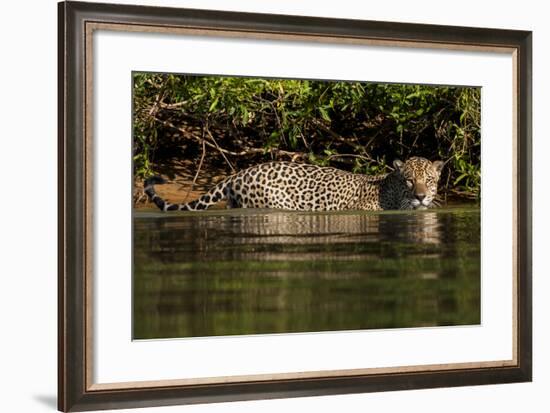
[409,183]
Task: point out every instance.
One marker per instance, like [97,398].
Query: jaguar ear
[438,166]
[398,165]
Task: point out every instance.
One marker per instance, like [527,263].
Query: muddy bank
[178,191]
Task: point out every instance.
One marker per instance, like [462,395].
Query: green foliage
[357,126]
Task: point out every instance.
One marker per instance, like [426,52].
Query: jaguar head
[419,178]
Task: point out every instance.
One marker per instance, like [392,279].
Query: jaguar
[304,187]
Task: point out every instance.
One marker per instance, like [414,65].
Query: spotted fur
[303,187]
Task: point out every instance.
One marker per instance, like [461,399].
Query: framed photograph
[259,206]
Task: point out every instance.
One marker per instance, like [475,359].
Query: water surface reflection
[258,271]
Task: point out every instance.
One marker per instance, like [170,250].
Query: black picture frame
[75,393]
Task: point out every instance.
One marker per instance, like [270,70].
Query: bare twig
[278,121]
[174,105]
[159,98]
[465,194]
[198,171]
[335,135]
[348,155]
[218,147]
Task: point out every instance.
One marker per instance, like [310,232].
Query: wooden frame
[76,24]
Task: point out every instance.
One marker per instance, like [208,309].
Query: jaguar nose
[420,196]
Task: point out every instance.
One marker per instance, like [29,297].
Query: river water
[249,271]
